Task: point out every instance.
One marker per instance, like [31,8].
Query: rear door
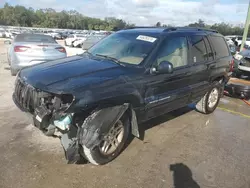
[166,92]
[202,60]
[222,55]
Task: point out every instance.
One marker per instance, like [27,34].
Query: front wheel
[211,99]
[111,145]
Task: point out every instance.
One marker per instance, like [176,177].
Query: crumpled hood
[63,75]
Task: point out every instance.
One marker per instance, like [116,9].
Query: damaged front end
[48,109]
[52,116]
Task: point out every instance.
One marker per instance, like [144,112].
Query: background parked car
[72,38]
[231,46]
[2,33]
[238,40]
[31,49]
[242,64]
[90,41]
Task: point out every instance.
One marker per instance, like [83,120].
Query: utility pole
[246,28]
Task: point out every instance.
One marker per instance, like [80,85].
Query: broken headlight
[63,102]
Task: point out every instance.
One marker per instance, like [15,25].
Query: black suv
[96,99]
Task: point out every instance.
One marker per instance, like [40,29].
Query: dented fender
[94,127]
[98,124]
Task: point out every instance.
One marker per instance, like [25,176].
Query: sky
[149,12]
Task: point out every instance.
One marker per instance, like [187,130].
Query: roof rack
[170,29]
[139,27]
[174,28]
[197,28]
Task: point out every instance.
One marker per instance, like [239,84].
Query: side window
[198,49]
[174,50]
[209,50]
[220,46]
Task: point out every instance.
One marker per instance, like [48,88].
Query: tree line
[49,18]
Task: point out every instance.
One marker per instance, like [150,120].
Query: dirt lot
[182,149]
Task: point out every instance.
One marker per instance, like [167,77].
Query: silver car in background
[30,49]
[90,41]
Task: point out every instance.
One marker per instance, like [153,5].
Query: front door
[166,92]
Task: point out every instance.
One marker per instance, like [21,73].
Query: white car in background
[11,33]
[69,41]
[8,34]
[2,33]
[238,38]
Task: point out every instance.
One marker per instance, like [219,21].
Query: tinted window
[220,46]
[209,49]
[198,49]
[174,50]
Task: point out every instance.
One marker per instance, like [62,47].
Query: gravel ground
[182,149]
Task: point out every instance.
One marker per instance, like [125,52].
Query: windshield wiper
[87,52]
[111,58]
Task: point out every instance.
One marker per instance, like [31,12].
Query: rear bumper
[18,64]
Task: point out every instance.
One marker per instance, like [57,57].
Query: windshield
[127,48]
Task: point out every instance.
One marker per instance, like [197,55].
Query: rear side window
[220,46]
[198,49]
[209,50]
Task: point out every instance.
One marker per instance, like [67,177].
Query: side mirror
[165,67]
[8,42]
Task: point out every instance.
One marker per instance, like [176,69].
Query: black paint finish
[96,81]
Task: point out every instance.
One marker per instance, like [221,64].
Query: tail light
[21,48]
[231,66]
[61,49]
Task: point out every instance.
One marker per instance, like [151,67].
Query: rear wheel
[211,99]
[111,145]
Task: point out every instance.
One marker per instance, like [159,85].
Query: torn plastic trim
[134,124]
[92,130]
[98,124]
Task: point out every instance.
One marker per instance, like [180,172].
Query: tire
[96,156]
[205,105]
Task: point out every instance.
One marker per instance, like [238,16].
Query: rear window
[220,46]
[34,38]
